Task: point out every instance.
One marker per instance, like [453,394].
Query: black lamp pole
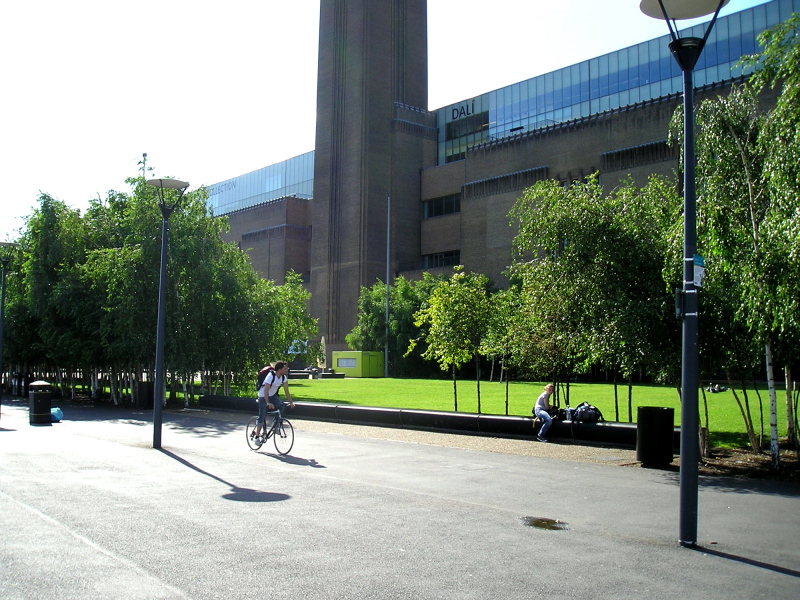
[687,52]
[167,209]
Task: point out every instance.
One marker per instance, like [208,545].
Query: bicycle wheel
[284,437]
[250,433]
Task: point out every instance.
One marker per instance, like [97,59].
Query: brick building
[440,184]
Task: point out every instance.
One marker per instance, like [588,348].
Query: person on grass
[541,409]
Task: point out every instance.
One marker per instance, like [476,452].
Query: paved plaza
[89,510]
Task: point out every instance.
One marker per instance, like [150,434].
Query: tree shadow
[237,494]
[195,421]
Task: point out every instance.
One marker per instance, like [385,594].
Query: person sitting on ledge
[541,410]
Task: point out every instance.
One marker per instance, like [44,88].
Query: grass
[725,421]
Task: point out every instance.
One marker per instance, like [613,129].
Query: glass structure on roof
[622,78]
[635,74]
[293,177]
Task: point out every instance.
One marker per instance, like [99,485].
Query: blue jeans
[547,420]
[262,407]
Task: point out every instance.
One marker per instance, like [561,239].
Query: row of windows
[441,259]
[292,177]
[628,76]
[446,205]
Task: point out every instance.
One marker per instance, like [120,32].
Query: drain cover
[544,523]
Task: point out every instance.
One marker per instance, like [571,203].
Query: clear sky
[213,90]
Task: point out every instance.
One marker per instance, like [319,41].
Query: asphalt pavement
[89,510]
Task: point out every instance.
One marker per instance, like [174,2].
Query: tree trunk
[630,398]
[478,379]
[705,407]
[773,412]
[506,389]
[760,415]
[791,431]
[455,389]
[745,410]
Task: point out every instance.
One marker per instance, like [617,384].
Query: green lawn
[725,421]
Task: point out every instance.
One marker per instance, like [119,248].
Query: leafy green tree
[86,295]
[405,299]
[503,323]
[456,316]
[591,269]
[55,245]
[736,208]
[778,67]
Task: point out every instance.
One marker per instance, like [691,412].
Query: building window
[466,126]
[441,259]
[446,205]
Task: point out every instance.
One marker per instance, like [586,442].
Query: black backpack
[262,375]
[586,413]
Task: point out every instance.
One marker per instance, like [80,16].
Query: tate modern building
[391,184]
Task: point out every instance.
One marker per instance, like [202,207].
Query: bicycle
[280,430]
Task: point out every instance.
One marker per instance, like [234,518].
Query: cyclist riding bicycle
[268,398]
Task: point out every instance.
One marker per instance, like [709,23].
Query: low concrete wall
[605,432]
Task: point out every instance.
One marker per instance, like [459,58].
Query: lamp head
[5,257]
[168,184]
[173,184]
[678,10]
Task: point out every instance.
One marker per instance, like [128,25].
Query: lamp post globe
[679,10]
[170,192]
[687,51]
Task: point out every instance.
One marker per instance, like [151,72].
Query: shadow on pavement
[296,460]
[748,561]
[237,494]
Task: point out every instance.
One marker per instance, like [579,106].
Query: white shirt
[274,382]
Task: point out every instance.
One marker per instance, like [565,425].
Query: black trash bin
[40,396]
[654,431]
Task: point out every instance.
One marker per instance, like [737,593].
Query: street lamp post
[4,259]
[687,51]
[167,207]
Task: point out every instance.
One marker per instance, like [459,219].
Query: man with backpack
[268,399]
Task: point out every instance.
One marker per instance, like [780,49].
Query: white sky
[213,90]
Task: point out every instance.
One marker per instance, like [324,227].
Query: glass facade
[293,177]
[636,74]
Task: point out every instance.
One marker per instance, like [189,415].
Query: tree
[85,297]
[503,322]
[778,66]
[456,316]
[736,208]
[591,269]
[405,299]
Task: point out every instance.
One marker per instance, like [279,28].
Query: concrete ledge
[369,415]
[441,420]
[314,411]
[502,425]
[604,432]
